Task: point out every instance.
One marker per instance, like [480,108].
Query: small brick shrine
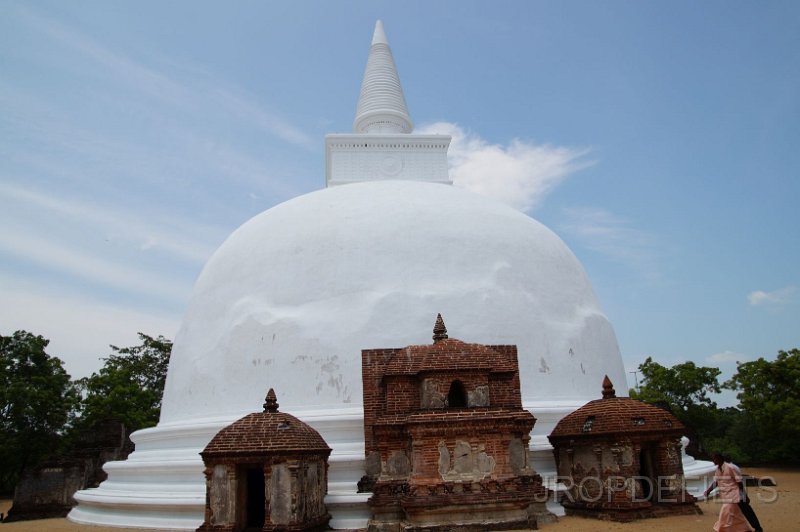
[446,439]
[267,471]
[620,460]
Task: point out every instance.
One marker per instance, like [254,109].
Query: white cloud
[726,357]
[519,174]
[775,297]
[613,237]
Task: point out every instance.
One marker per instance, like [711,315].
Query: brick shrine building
[620,460]
[268,471]
[446,439]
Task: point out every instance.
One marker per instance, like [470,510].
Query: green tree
[769,394]
[37,401]
[685,388]
[129,386]
[730,432]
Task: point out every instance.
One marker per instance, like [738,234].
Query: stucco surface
[291,298]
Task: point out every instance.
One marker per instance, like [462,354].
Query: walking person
[727,482]
[744,501]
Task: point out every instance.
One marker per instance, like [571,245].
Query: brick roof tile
[450,354]
[616,415]
[265,432]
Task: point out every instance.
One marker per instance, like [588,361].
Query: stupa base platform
[161,484]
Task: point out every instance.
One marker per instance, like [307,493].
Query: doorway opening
[647,473]
[255,498]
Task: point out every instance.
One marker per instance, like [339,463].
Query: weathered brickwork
[620,459]
[267,471]
[47,490]
[446,439]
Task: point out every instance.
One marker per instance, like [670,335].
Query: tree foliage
[685,389]
[769,393]
[764,428]
[683,386]
[37,402]
[129,386]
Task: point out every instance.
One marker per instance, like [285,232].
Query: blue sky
[660,140]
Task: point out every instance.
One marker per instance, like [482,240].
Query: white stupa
[293,296]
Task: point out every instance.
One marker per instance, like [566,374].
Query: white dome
[295,294]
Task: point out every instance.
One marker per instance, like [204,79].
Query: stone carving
[672,451]
[469,462]
[431,396]
[219,496]
[485,465]
[372,464]
[463,458]
[398,465]
[444,459]
[479,396]
[280,491]
[517,456]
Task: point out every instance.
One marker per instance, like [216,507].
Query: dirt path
[777,507]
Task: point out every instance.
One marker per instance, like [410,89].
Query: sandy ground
[777,507]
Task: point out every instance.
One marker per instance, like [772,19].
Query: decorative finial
[271,404]
[608,389]
[439,330]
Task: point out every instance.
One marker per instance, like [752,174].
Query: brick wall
[623,477]
[437,466]
[402,381]
[46,490]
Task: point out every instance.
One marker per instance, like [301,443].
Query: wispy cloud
[519,174]
[612,236]
[127,175]
[62,317]
[144,79]
[244,107]
[186,87]
[726,357]
[71,261]
[183,239]
[775,297]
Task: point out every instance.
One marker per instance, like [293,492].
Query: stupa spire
[381,104]
[382,145]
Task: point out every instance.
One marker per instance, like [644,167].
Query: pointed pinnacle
[608,388]
[271,403]
[379,36]
[439,330]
